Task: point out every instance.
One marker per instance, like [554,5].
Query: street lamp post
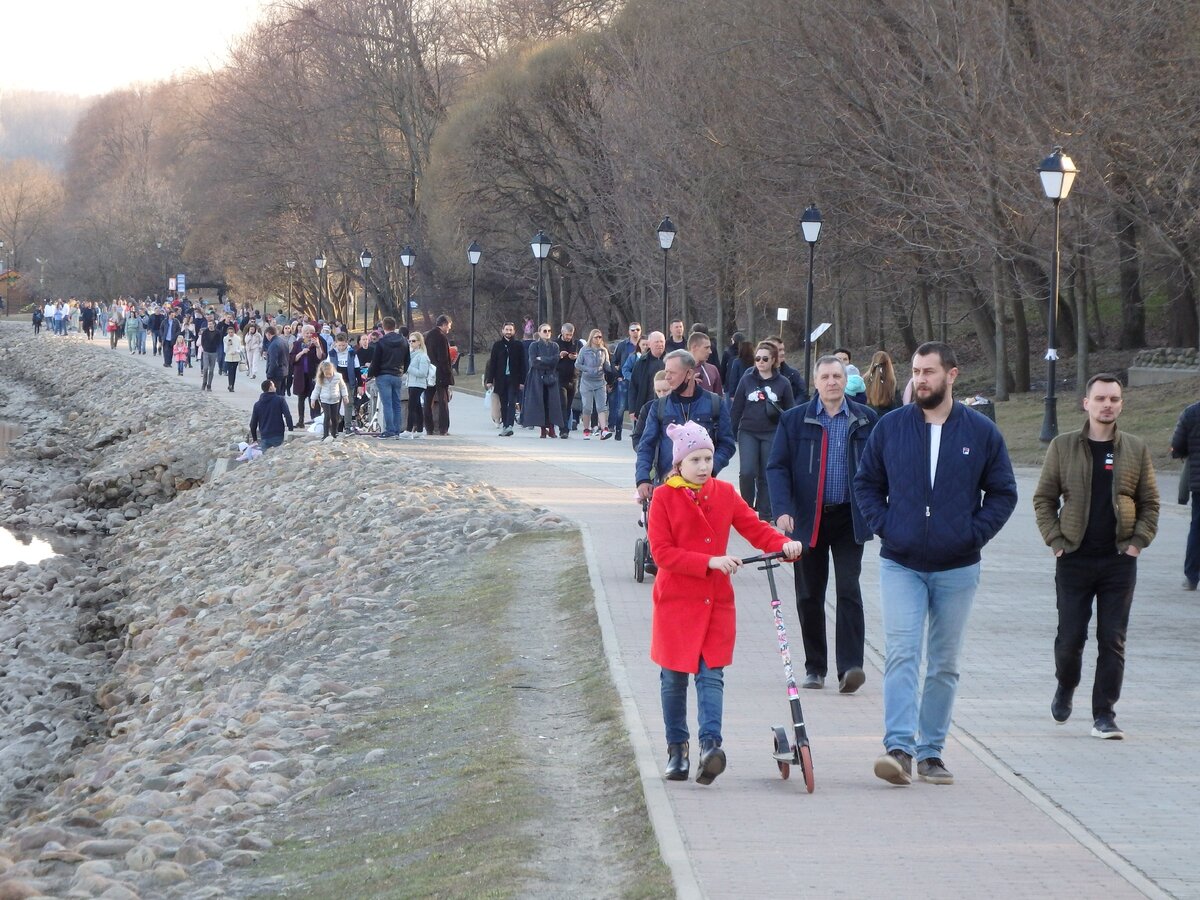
[407,257]
[319,262]
[1058,175]
[810,227]
[4,272]
[540,244]
[666,237]
[364,260]
[474,252]
[291,264]
[162,270]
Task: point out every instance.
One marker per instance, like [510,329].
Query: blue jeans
[141,342]
[266,443]
[908,600]
[391,398]
[710,701]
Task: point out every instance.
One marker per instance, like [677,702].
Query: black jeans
[415,420]
[506,390]
[1110,581]
[836,536]
[231,370]
[332,414]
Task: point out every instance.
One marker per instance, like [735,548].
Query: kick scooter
[787,754]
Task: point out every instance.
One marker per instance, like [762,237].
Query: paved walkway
[1037,810]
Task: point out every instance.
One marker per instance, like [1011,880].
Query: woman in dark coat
[307,354]
[542,405]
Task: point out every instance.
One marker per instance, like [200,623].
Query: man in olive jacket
[1104,480]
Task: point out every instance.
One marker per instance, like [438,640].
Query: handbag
[431,378]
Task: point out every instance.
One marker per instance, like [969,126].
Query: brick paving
[1037,809]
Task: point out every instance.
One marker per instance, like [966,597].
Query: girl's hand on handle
[793,549]
[726,564]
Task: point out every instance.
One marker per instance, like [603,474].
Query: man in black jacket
[269,416]
[568,350]
[505,374]
[437,348]
[388,366]
[641,379]
[276,354]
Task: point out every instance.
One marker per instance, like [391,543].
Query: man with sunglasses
[618,399]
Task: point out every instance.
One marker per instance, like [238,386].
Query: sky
[87,47]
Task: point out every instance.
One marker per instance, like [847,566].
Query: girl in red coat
[694,620]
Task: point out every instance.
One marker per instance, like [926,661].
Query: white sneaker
[415,435]
[328,440]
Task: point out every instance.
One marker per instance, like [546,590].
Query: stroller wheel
[639,560]
[806,767]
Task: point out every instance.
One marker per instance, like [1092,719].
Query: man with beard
[935,483]
[1097,509]
[505,374]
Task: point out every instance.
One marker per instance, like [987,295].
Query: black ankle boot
[712,761]
[677,762]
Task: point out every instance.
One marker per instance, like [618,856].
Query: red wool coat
[693,605]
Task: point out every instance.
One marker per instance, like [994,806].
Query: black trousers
[1110,581]
[437,410]
[836,537]
[506,390]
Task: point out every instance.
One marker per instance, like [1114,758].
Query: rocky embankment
[174,681]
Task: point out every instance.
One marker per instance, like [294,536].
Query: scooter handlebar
[762,557]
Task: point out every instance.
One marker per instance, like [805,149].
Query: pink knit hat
[688,437]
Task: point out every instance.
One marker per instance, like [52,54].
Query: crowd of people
[822,471]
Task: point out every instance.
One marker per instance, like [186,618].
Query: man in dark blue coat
[813,463]
[686,402]
[935,483]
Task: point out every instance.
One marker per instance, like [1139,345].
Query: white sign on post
[781,314]
[170,284]
[820,330]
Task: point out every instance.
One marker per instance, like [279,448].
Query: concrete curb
[662,815]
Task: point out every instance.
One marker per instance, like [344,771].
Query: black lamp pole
[474,252]
[291,265]
[1058,175]
[541,249]
[364,260]
[666,237]
[810,226]
[407,257]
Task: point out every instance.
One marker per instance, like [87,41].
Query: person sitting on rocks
[270,415]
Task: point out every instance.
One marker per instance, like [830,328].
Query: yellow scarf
[693,490]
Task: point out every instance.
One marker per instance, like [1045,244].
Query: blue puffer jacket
[798,463]
[654,448]
[933,529]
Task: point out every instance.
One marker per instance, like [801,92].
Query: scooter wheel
[785,769]
[639,560]
[806,767]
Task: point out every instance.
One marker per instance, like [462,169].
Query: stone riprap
[184,673]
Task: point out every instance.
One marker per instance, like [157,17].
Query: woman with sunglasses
[418,378]
[759,401]
[543,404]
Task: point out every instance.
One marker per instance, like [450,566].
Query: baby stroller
[368,414]
[643,562]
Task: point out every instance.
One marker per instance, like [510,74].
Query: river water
[15,548]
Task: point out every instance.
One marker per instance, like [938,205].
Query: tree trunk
[1038,279]
[1001,358]
[1184,323]
[904,322]
[1133,308]
[985,326]
[1078,301]
[1020,337]
[923,307]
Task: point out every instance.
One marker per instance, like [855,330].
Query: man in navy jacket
[935,483]
[686,402]
[810,472]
